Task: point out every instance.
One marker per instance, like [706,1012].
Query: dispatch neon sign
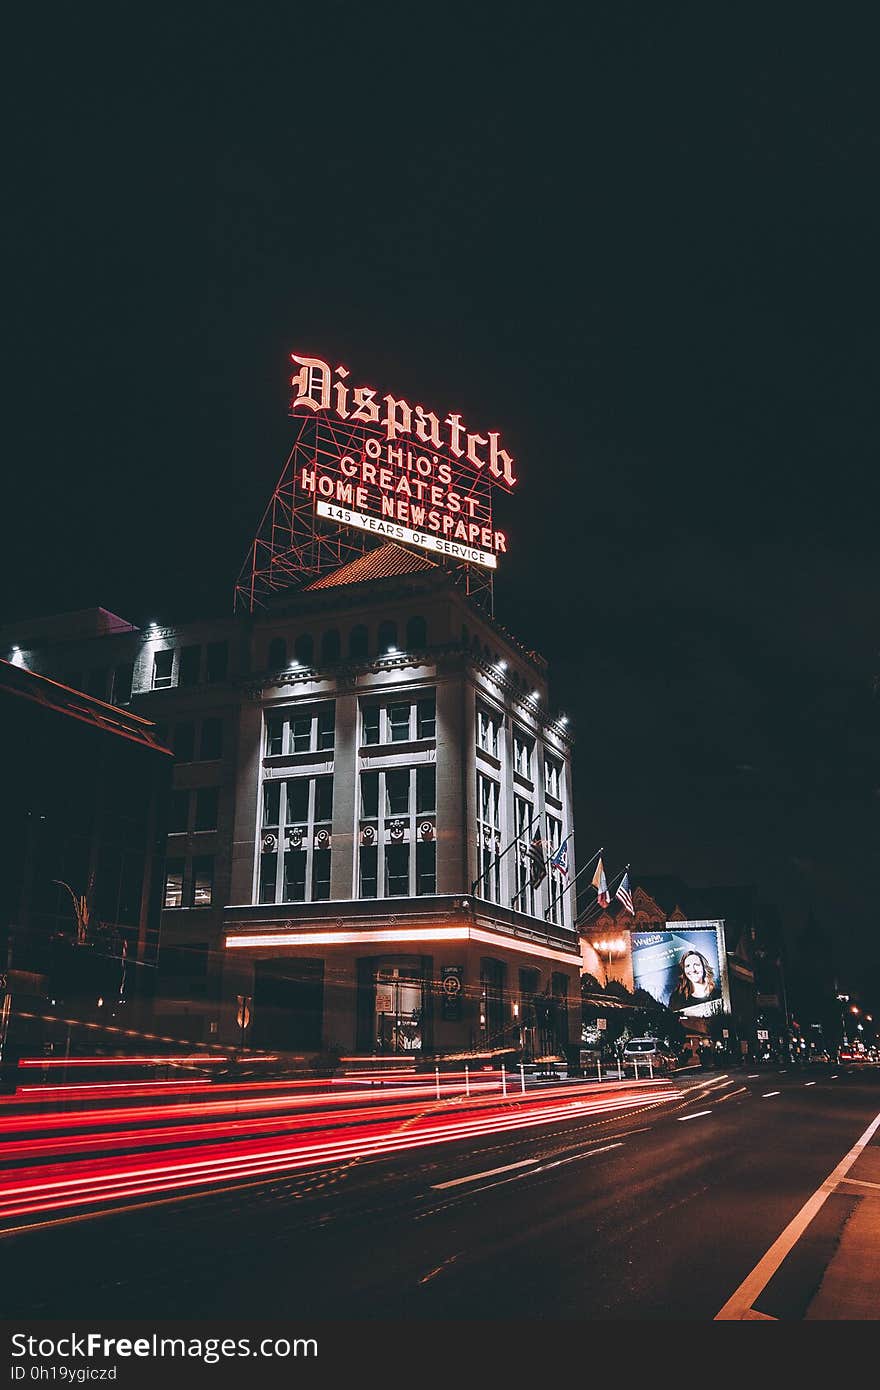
[398,470]
[316,391]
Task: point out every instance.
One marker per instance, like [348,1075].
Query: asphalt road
[655,1214]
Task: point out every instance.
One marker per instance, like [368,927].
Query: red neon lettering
[392,427]
[307,480]
[453,501]
[456,431]
[347,466]
[427,427]
[418,516]
[472,441]
[341,394]
[500,543]
[312,384]
[365,405]
[500,462]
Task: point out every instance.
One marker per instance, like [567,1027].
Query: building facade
[360,769]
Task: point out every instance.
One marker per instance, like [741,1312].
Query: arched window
[277,653]
[359,642]
[304,649]
[387,636]
[416,634]
[330,646]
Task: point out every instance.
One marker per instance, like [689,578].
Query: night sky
[644,248]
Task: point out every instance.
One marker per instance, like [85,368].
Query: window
[304,649]
[218,660]
[359,643]
[553,778]
[308,729]
[178,813]
[387,636]
[271,803]
[211,746]
[207,800]
[123,677]
[203,881]
[558,884]
[488,727]
[184,742]
[489,837]
[331,647]
[277,653]
[173,883]
[527,825]
[523,747]
[295,866]
[397,792]
[400,722]
[426,867]
[371,725]
[397,811]
[426,789]
[426,718]
[190,665]
[416,634]
[397,871]
[162,663]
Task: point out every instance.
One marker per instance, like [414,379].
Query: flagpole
[569,886]
[497,860]
[514,900]
[582,920]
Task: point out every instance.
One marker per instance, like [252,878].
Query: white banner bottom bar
[393,531]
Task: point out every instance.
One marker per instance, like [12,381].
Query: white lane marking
[770,1093]
[573,1158]
[834,1075]
[762,1317]
[489,1173]
[646,1129]
[860,1182]
[809,1083]
[753,1076]
[695,1116]
[739,1304]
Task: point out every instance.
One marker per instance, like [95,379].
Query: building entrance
[399,1009]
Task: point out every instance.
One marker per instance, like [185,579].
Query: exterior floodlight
[563,719]
[392,651]
[502,665]
[536,695]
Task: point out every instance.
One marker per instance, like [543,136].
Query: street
[653,1212]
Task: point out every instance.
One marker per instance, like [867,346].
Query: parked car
[845,1054]
[639,1052]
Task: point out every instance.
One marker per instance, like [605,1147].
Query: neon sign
[398,470]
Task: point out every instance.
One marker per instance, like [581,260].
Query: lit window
[203,881]
[162,664]
[174,883]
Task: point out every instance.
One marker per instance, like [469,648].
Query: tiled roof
[385,562]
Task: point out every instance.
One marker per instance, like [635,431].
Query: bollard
[635,1068]
[437,1078]
[619,1072]
[522,1078]
[467,1081]
[503,1080]
[599,1067]
[651,1068]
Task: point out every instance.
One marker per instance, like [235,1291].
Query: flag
[535,856]
[600,885]
[624,893]
[559,859]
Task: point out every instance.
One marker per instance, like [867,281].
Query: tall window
[295,840]
[190,665]
[173,883]
[558,883]
[162,664]
[207,803]
[488,730]
[553,778]
[218,660]
[122,682]
[397,854]
[523,749]
[211,745]
[203,881]
[526,824]
[489,836]
[305,729]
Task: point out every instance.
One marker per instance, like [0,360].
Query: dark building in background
[85,788]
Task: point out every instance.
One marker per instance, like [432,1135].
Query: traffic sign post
[243,1016]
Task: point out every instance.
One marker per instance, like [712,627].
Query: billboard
[683,967]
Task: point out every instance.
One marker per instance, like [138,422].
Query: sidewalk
[850,1287]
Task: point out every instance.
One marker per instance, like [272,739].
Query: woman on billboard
[696,981]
